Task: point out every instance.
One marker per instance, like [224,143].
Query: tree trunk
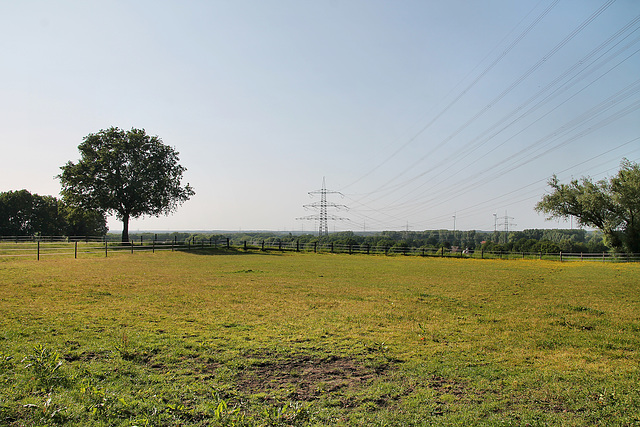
[125,229]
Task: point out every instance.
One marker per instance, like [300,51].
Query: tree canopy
[612,205]
[126,173]
[25,214]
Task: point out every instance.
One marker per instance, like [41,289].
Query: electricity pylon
[323,207]
[506,223]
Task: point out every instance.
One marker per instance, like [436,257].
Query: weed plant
[243,339]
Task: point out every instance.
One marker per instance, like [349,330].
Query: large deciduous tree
[613,205]
[82,222]
[126,173]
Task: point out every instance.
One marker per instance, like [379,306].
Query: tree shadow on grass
[231,251]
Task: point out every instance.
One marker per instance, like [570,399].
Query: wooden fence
[37,247]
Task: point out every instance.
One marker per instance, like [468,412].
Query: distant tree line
[534,241]
[25,214]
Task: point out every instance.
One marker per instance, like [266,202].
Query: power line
[470,210]
[405,197]
[499,97]
[465,185]
[462,93]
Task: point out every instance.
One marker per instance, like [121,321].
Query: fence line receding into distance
[37,247]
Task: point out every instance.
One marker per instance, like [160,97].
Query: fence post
[560,256]
[331,247]
[153,247]
[442,253]
[244,245]
[297,245]
[602,256]
[188,244]
[368,248]
[280,245]
[75,250]
[315,247]
[263,245]
[131,246]
[228,243]
[106,248]
[38,250]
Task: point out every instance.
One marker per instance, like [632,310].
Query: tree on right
[611,205]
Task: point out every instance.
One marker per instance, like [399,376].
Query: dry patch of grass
[304,377]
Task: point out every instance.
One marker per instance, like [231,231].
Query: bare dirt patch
[304,377]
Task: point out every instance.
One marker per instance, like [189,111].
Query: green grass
[224,339]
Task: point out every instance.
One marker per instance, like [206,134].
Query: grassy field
[235,339]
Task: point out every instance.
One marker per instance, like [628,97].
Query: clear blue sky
[416,111]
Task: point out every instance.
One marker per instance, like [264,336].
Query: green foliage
[130,174]
[45,365]
[83,222]
[291,414]
[612,206]
[229,417]
[46,412]
[534,241]
[26,214]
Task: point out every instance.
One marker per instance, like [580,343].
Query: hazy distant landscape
[533,241]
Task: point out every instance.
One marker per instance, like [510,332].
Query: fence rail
[38,246]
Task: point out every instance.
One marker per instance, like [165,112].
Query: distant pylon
[506,223]
[323,207]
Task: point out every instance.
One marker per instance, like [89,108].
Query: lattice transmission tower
[323,217]
[506,222]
